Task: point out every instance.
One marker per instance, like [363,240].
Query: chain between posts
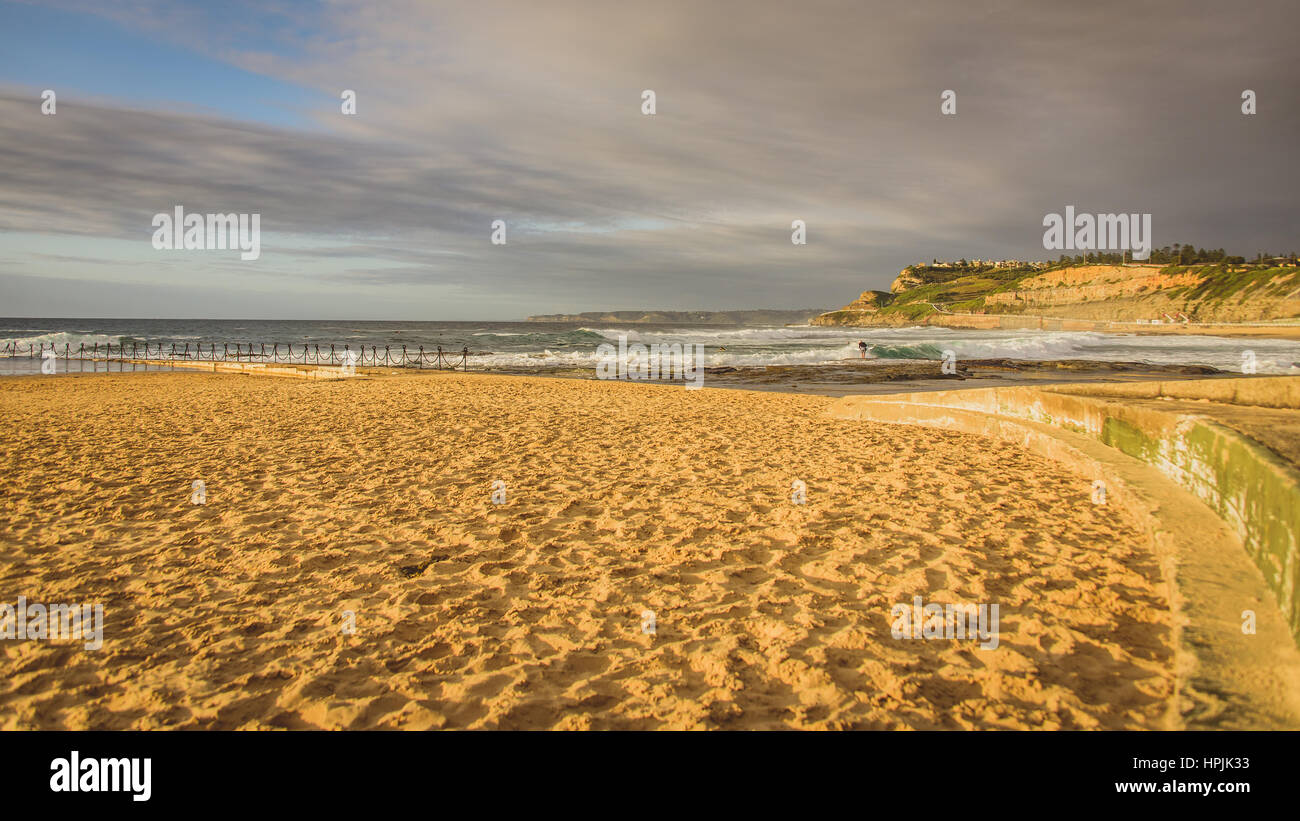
[305,354]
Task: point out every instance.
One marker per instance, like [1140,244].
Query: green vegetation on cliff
[1093,287]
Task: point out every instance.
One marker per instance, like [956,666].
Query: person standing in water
[862,349]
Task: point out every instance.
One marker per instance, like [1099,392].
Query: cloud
[767,112]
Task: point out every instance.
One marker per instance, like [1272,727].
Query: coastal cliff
[960,294]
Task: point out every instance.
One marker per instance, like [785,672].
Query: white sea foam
[513,345]
[807,345]
[58,339]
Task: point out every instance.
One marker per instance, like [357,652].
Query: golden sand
[375,496]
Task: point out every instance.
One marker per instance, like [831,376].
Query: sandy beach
[373,497]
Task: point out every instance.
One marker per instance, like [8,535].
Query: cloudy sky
[530,112]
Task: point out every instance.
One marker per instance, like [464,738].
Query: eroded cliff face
[1092,283]
[1128,293]
[1168,307]
[865,310]
[874,319]
[906,279]
[869,301]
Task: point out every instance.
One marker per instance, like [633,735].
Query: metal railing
[307,354]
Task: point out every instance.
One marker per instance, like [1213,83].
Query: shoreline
[884,376]
[847,377]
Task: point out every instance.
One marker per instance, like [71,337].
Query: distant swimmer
[862,349]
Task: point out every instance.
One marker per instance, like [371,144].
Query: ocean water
[528,345]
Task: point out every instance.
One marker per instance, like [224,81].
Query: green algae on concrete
[1130,439]
[1258,496]
[1253,491]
